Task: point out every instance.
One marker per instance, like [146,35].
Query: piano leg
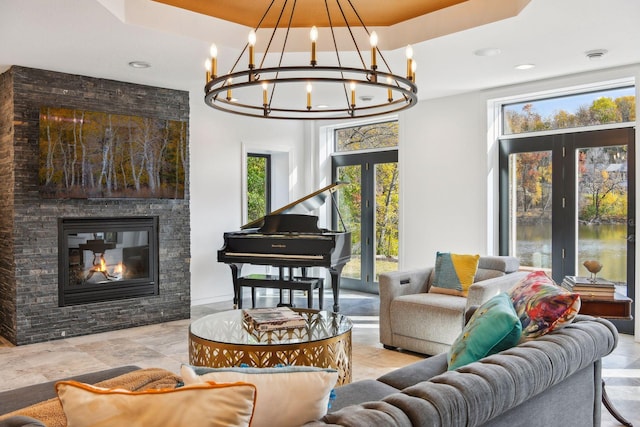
[235,273]
[335,272]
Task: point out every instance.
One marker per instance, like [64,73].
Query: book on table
[574,281]
[601,289]
[273,318]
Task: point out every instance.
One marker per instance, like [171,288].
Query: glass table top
[230,327]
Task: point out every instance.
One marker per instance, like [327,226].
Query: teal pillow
[494,327]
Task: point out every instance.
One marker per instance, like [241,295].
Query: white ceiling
[100,37]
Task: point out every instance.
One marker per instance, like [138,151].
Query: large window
[568,196]
[258,186]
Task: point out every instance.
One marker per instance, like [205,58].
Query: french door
[569,198]
[369,208]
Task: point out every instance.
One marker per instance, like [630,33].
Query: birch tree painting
[88,154]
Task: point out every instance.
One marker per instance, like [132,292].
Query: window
[258,186]
[377,135]
[594,108]
[366,158]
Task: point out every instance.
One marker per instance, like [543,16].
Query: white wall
[216,181]
[442,179]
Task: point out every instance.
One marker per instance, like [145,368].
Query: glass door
[566,199]
[369,208]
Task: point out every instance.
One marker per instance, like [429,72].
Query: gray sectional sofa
[554,380]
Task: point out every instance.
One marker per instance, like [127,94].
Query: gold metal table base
[333,352]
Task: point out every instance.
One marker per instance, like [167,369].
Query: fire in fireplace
[102,259]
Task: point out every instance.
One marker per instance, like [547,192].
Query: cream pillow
[202,405]
[287,396]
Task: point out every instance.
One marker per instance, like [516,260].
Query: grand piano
[289,238]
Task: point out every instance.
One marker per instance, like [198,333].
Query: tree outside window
[258,186]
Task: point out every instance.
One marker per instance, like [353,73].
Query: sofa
[414,319]
[554,380]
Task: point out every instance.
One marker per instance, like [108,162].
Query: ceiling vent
[595,54]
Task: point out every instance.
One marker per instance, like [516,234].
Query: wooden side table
[618,308]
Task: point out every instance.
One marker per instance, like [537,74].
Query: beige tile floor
[165,345]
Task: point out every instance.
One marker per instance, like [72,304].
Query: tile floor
[165,345]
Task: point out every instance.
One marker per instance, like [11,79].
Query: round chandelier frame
[393,92]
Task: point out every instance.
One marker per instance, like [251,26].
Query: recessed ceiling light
[488,51]
[595,54]
[525,66]
[139,64]
[322,106]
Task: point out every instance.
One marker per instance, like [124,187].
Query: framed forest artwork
[89,154]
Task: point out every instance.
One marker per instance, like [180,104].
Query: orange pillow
[207,404]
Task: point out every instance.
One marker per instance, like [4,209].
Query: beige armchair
[416,320]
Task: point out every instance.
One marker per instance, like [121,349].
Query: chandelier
[276,87]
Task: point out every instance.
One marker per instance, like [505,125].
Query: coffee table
[225,339]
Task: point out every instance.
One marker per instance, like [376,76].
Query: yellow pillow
[207,404]
[454,273]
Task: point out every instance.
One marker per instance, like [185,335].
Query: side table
[618,308]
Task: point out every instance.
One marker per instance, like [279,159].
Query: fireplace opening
[103,259]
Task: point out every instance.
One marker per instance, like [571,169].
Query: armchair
[414,319]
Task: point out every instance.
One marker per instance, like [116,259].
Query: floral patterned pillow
[542,306]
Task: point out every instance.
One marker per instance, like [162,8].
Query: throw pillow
[454,273]
[287,396]
[542,306]
[493,327]
[212,405]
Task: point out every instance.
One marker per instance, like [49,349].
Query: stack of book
[590,289]
[271,319]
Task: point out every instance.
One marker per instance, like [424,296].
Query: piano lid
[301,206]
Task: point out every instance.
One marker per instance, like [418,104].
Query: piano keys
[288,239]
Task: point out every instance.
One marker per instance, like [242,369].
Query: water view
[603,242]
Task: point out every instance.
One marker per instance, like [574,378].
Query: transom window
[365,137]
[617,105]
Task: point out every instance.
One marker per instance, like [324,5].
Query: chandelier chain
[335,47]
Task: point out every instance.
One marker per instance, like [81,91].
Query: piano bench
[307,284]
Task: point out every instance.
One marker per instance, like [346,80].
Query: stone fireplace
[50,257]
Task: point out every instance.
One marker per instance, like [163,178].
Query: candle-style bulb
[229,97]
[252,44]
[265,87]
[409,53]
[353,94]
[309,89]
[373,39]
[313,35]
[214,60]
[389,91]
[207,66]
